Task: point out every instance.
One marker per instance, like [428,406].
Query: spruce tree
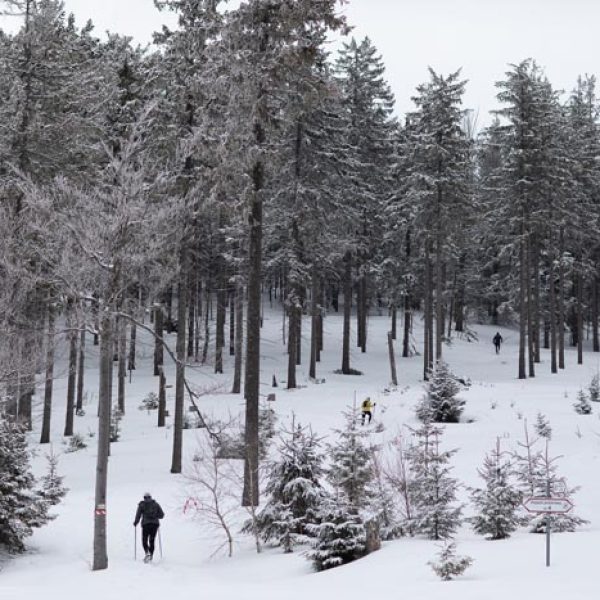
[294,490]
[341,533]
[23,507]
[497,504]
[431,488]
[441,404]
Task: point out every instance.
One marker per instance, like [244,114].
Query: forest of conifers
[241,158]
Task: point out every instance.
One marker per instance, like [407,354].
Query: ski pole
[135,542]
[160,543]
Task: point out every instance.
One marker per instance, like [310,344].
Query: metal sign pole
[548,526]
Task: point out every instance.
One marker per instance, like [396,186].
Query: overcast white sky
[481,36]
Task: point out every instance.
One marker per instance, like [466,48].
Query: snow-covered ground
[58,564]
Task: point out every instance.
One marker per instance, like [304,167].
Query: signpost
[548,505]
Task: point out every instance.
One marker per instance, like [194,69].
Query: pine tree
[440,404]
[431,489]
[22,507]
[294,490]
[497,504]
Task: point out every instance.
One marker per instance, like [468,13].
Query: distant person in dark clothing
[497,341]
[150,512]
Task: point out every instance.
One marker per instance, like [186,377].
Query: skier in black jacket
[150,512]
[497,341]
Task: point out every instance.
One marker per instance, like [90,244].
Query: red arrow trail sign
[543,504]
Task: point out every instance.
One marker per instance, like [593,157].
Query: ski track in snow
[58,565]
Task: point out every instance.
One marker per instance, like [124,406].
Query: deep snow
[58,563]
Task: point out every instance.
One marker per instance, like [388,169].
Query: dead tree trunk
[552,317]
[392,359]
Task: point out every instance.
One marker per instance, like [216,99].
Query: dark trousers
[497,348]
[364,415]
[149,532]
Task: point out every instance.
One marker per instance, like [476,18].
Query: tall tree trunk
[45,435]
[191,313]
[232,322]
[197,319]
[364,311]
[439,292]
[552,317]
[80,371]
[122,373]
[536,299]
[250,495]
[162,398]
[220,325]
[595,338]
[394,315]
[132,347]
[530,310]
[406,333]
[72,375]
[100,560]
[239,338]
[158,339]
[522,302]
[580,313]
[180,348]
[347,313]
[207,304]
[561,301]
[314,322]
[292,343]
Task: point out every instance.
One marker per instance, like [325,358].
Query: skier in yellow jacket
[366,408]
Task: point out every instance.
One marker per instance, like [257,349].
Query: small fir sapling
[52,490]
[594,389]
[149,402]
[499,501]
[441,403]
[294,491]
[582,406]
[432,490]
[76,442]
[542,426]
[449,565]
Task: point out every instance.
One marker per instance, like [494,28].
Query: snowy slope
[58,565]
